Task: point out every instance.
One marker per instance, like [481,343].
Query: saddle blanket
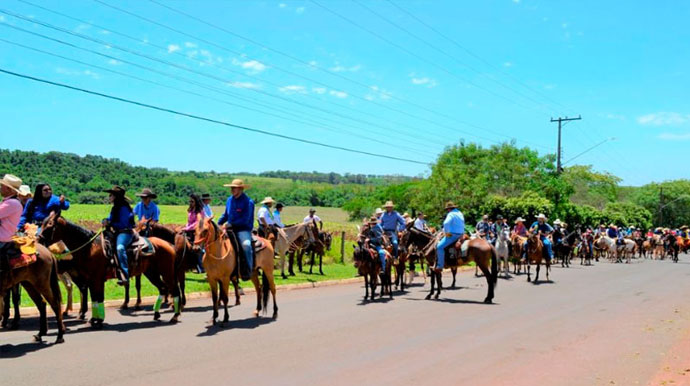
[23,253]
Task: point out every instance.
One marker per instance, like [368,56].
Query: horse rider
[483,229]
[10,214]
[264,217]
[406,217]
[195,215]
[313,217]
[544,230]
[239,217]
[276,215]
[453,229]
[558,232]
[24,194]
[378,213]
[420,223]
[374,239]
[391,222]
[146,208]
[206,199]
[43,203]
[121,220]
[520,228]
[499,226]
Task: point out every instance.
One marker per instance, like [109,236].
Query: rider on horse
[41,206]
[264,217]
[121,219]
[499,226]
[239,217]
[374,239]
[544,230]
[206,199]
[391,221]
[453,229]
[195,215]
[483,228]
[10,214]
[276,215]
[146,208]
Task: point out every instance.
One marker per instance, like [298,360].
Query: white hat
[378,211]
[267,200]
[519,219]
[11,181]
[25,191]
[542,216]
[557,222]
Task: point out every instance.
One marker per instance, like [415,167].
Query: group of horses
[88,265]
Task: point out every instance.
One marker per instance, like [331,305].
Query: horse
[318,249]
[517,243]
[368,266]
[626,250]
[565,247]
[659,248]
[585,249]
[373,270]
[90,268]
[639,243]
[673,247]
[605,244]
[503,250]
[412,242]
[535,254]
[13,296]
[478,250]
[648,247]
[290,240]
[220,261]
[40,280]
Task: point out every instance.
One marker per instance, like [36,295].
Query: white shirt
[264,213]
[420,224]
[277,220]
[310,219]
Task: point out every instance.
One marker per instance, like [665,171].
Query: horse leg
[282,263]
[213,283]
[155,279]
[548,268]
[312,255]
[484,267]
[67,281]
[373,281]
[257,287]
[433,283]
[536,277]
[235,284]
[291,264]
[125,303]
[529,270]
[83,300]
[6,310]
[137,285]
[224,288]
[16,300]
[270,281]
[321,263]
[181,283]
[300,256]
[439,280]
[35,295]
[366,287]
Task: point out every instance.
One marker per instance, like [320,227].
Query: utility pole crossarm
[560,121]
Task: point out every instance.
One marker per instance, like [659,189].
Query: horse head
[206,232]
[143,227]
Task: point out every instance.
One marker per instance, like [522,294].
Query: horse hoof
[60,340]
[174,320]
[284,276]
[427,297]
[487,301]
[137,308]
[156,315]
[38,338]
[82,316]
[65,314]
[256,313]
[124,307]
[436,297]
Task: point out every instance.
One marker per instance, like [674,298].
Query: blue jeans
[441,249]
[382,257]
[123,241]
[245,239]
[393,236]
[547,245]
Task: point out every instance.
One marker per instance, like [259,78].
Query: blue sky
[388,85]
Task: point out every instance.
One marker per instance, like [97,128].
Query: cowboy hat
[389,204]
[373,220]
[237,183]
[312,210]
[557,222]
[612,225]
[450,205]
[146,192]
[267,200]
[499,217]
[541,215]
[11,181]
[118,191]
[378,211]
[206,196]
[406,215]
[25,191]
[519,219]
[684,227]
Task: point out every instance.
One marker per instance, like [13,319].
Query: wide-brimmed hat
[206,196]
[11,181]
[117,191]
[406,215]
[519,219]
[146,192]
[312,210]
[389,204]
[612,225]
[267,200]
[373,220]
[541,215]
[378,211]
[450,205]
[684,227]
[237,183]
[25,191]
[557,222]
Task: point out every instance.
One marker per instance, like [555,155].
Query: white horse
[502,251]
[290,239]
[626,250]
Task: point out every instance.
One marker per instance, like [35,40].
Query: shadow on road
[383,300]
[8,351]
[540,282]
[245,324]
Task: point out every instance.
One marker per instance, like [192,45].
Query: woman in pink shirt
[520,229]
[195,214]
[10,207]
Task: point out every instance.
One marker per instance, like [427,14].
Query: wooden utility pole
[560,120]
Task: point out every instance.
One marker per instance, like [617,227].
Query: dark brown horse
[478,250]
[40,280]
[89,267]
[368,266]
[535,254]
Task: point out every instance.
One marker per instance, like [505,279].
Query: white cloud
[338,94]
[114,62]
[67,71]
[190,45]
[293,89]
[507,64]
[379,93]
[663,119]
[424,81]
[172,48]
[249,85]
[313,63]
[254,66]
[675,137]
[282,5]
[299,10]
[339,68]
[319,90]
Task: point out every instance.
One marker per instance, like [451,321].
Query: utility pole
[660,215]
[560,120]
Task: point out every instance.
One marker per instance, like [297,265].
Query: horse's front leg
[433,283]
[454,271]
[440,284]
[366,287]
[137,285]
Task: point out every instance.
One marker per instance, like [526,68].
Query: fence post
[342,247]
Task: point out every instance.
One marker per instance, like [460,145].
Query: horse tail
[55,282]
[494,266]
[265,288]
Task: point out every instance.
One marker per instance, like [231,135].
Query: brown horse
[479,251]
[220,261]
[535,254]
[40,280]
[89,267]
[517,242]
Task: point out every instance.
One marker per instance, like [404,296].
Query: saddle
[140,247]
[258,243]
[19,253]
[457,252]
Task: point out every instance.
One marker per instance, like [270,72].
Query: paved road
[605,324]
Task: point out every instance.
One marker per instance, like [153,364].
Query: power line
[210,120]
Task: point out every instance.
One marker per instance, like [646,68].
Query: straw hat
[450,205]
[378,211]
[541,216]
[25,191]
[519,219]
[146,192]
[406,215]
[237,183]
[557,222]
[11,181]
[267,200]
[389,204]
[684,227]
[373,220]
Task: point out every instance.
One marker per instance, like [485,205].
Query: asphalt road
[604,324]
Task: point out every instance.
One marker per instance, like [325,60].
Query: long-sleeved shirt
[10,214]
[122,220]
[390,221]
[37,213]
[193,220]
[520,230]
[265,213]
[207,211]
[454,222]
[421,224]
[149,212]
[483,227]
[612,233]
[277,220]
[543,227]
[375,235]
[239,213]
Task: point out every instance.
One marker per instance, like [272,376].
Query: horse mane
[81,231]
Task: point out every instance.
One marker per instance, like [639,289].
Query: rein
[220,241]
[61,255]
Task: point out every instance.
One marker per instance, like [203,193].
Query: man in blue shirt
[239,217]
[43,203]
[483,229]
[391,220]
[146,208]
[544,230]
[206,199]
[276,215]
[453,229]
[375,240]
